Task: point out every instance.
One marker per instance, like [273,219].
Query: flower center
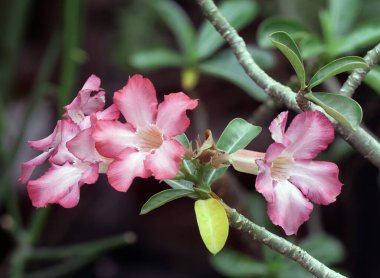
[280,167]
[150,138]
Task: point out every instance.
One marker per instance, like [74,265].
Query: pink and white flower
[145,145]
[70,150]
[287,176]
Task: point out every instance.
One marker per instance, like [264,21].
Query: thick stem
[360,139]
[280,245]
[357,76]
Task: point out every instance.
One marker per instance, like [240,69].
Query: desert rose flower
[145,145]
[70,150]
[287,176]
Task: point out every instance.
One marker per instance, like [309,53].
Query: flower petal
[171,115]
[137,101]
[273,151]
[83,146]
[111,137]
[318,180]
[289,208]
[165,161]
[92,83]
[277,127]
[50,141]
[109,114]
[127,165]
[27,168]
[55,185]
[264,181]
[309,133]
[68,131]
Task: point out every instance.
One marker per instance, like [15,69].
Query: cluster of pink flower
[90,140]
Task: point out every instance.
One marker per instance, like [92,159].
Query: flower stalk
[360,139]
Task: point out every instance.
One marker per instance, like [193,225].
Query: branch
[360,139]
[357,76]
[280,245]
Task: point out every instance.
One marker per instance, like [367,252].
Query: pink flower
[287,176]
[145,145]
[70,150]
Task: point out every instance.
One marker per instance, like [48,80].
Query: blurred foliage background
[49,48]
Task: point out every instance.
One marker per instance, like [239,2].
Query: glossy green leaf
[177,20]
[335,67]
[163,197]
[213,175]
[182,138]
[373,79]
[225,65]
[288,47]
[275,24]
[180,184]
[238,13]
[233,264]
[365,36]
[237,135]
[155,58]
[343,109]
[343,15]
[324,248]
[212,223]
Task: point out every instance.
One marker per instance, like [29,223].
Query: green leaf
[289,48]
[311,46]
[238,13]
[335,67]
[362,37]
[155,58]
[163,197]
[225,65]
[343,109]
[324,248]
[180,184]
[233,264]
[182,138]
[373,79]
[274,24]
[212,223]
[213,175]
[237,135]
[343,15]
[179,23]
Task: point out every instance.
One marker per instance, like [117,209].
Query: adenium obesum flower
[287,176]
[70,150]
[145,145]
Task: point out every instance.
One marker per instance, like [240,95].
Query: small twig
[360,139]
[357,76]
[280,245]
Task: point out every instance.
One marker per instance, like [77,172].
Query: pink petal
[264,181]
[277,127]
[48,142]
[90,99]
[71,199]
[27,168]
[54,185]
[289,208]
[109,114]
[318,180]
[127,165]
[68,131]
[83,146]
[309,133]
[171,116]
[273,151]
[92,83]
[90,172]
[112,137]
[165,161]
[137,101]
